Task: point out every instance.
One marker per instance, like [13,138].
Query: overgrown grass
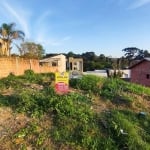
[89,83]
[113,89]
[126,129]
[19,82]
[75,126]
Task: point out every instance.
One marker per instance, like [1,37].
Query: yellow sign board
[62,82]
[62,77]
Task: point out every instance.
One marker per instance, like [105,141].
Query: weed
[88,83]
[122,128]
[74,124]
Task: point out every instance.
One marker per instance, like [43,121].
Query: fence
[17,66]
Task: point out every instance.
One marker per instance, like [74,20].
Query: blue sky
[101,26]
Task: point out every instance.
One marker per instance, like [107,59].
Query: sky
[101,26]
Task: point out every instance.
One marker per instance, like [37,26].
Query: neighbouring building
[125,73]
[103,73]
[57,61]
[140,72]
[75,64]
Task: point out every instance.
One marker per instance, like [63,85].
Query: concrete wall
[139,73]
[75,64]
[126,73]
[17,66]
[61,62]
[102,73]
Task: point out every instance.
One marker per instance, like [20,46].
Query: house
[57,61]
[75,64]
[140,72]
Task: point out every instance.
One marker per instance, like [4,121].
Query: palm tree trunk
[8,48]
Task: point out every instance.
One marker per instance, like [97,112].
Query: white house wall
[103,73]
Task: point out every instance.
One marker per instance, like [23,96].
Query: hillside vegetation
[97,114]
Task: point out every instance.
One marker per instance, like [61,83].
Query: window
[126,75]
[148,76]
[70,66]
[54,64]
[75,63]
[75,68]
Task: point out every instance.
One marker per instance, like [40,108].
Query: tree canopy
[134,53]
[8,33]
[91,61]
[31,50]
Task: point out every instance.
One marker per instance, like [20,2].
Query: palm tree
[8,34]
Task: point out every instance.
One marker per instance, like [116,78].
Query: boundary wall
[17,66]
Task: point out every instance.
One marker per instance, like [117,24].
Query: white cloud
[139,3]
[19,17]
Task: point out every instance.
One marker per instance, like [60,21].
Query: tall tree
[131,53]
[31,50]
[71,54]
[90,56]
[8,34]
[142,53]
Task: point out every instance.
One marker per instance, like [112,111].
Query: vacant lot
[96,114]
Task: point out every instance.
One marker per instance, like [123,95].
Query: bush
[11,81]
[88,83]
[29,73]
[32,77]
[115,89]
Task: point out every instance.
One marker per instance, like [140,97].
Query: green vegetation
[72,121]
[97,62]
[31,50]
[8,34]
[89,83]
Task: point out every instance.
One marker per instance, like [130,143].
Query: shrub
[88,83]
[11,81]
[32,77]
[115,89]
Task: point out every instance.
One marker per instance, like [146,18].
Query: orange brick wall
[18,65]
[46,69]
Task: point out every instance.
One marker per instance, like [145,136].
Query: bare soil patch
[10,123]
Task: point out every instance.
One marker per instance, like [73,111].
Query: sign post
[61,82]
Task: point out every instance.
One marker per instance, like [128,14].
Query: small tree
[117,73]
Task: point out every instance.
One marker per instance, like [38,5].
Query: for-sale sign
[62,82]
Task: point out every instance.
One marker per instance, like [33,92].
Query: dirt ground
[10,123]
